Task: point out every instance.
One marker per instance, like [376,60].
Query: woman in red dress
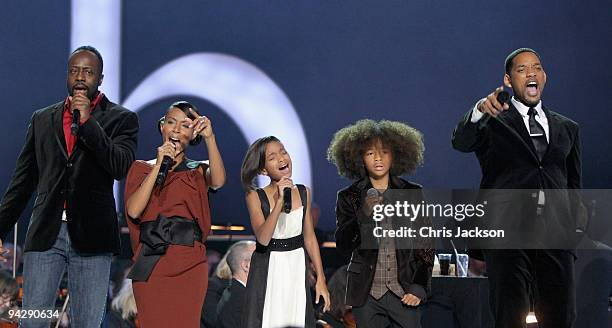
[169,220]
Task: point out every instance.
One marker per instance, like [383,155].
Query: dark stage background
[420,62]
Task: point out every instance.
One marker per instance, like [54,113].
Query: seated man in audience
[217,283]
[229,309]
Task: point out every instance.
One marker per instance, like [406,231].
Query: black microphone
[163,170]
[372,192]
[503,97]
[287,200]
[74,126]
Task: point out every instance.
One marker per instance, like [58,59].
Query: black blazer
[216,287]
[508,160]
[103,153]
[229,309]
[413,265]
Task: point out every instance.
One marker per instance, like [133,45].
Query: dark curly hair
[350,143]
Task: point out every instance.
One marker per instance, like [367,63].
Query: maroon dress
[174,293]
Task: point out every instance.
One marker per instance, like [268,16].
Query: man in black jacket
[229,309]
[523,145]
[71,165]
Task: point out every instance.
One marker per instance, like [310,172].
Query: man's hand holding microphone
[495,102]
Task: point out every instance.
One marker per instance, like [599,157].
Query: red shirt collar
[93,103]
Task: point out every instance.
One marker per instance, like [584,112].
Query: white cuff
[476,114]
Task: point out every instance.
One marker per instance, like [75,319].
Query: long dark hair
[184,107]
[254,161]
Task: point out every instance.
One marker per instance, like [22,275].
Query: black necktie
[536,131]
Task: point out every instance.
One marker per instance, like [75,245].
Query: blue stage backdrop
[320,65]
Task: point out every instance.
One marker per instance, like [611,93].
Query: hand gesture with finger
[201,125]
[491,106]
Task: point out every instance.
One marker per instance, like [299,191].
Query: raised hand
[283,183]
[201,125]
[80,102]
[491,106]
[167,149]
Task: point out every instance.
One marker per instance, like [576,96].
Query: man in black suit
[523,145]
[229,309]
[71,165]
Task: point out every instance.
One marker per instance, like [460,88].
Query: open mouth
[532,88]
[284,168]
[174,140]
[79,89]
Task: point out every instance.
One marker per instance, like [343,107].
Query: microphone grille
[372,192]
[503,97]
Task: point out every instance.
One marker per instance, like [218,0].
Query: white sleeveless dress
[285,301]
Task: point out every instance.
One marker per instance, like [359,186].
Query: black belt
[282,245]
[156,236]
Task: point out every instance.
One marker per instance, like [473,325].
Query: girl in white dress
[278,294]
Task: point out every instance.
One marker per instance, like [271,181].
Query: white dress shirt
[240,281]
[523,110]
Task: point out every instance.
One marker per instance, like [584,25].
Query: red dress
[174,293]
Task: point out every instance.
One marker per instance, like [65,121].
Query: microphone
[74,126]
[287,200]
[163,170]
[503,97]
[372,192]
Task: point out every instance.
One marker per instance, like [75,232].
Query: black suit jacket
[103,153]
[216,287]
[413,266]
[508,160]
[229,309]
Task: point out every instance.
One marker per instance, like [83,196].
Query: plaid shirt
[385,276]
